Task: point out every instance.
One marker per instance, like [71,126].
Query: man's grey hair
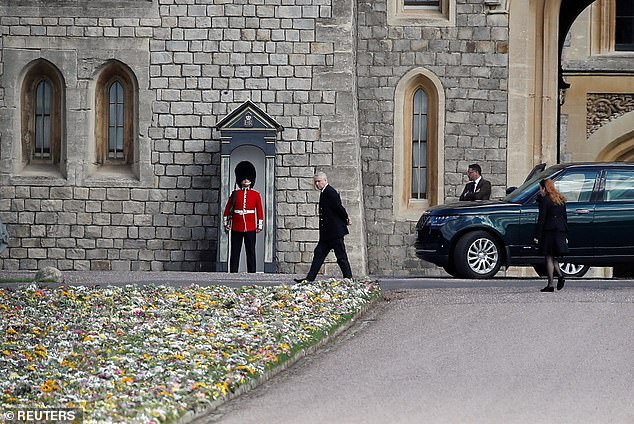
[321,175]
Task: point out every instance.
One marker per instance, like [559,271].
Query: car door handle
[582,211]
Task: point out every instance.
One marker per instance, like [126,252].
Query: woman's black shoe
[560,282]
[548,289]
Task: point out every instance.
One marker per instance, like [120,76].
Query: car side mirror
[510,190]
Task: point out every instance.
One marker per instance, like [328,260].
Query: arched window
[115,115]
[418,143]
[43,110]
[116,121]
[41,115]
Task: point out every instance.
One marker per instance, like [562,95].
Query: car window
[530,186]
[619,185]
[576,185]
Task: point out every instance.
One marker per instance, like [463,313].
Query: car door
[614,214]
[578,186]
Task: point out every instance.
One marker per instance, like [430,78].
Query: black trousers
[236,246]
[322,250]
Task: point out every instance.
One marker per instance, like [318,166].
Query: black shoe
[548,289]
[560,282]
[302,280]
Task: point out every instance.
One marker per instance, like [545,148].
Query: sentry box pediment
[248,124]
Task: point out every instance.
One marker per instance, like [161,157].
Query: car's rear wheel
[568,269]
[477,255]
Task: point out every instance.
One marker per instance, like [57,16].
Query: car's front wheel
[451,270]
[477,255]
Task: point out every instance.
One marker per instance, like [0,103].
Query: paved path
[482,355]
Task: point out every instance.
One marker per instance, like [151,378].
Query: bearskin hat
[245,169]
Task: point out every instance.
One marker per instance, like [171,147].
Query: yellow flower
[49,386]
[199,385]
[40,351]
[222,387]
[244,367]
[11,331]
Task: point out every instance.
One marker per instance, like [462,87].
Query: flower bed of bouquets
[143,354]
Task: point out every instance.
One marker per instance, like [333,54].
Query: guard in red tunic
[244,217]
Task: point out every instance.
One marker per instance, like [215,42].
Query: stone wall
[471,61]
[195,62]
[326,70]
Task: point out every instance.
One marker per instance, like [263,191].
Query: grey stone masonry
[194,62]
[470,60]
[325,70]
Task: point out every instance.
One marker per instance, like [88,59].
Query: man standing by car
[477,188]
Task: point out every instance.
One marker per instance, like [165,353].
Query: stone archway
[537,30]
[620,147]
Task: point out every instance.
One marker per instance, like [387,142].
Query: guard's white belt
[244,211]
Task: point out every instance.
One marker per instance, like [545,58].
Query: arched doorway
[537,31]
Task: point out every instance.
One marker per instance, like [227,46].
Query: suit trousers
[321,251]
[237,238]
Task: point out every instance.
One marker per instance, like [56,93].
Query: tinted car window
[619,186]
[526,190]
[576,186]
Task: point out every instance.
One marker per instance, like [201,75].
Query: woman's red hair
[551,191]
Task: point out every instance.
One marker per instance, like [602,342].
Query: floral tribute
[149,354]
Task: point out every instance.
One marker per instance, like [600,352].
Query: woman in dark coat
[552,231]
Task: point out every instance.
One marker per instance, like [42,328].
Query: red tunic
[247,211]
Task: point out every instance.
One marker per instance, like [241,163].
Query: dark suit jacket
[333,218]
[481,192]
[552,217]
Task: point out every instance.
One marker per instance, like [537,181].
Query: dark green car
[474,239]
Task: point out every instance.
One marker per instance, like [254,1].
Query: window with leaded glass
[624,26]
[115,114]
[43,110]
[419,145]
[116,121]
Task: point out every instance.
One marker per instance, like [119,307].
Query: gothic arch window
[419,147]
[115,116]
[42,110]
[418,143]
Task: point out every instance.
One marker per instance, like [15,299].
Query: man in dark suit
[333,226]
[477,188]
